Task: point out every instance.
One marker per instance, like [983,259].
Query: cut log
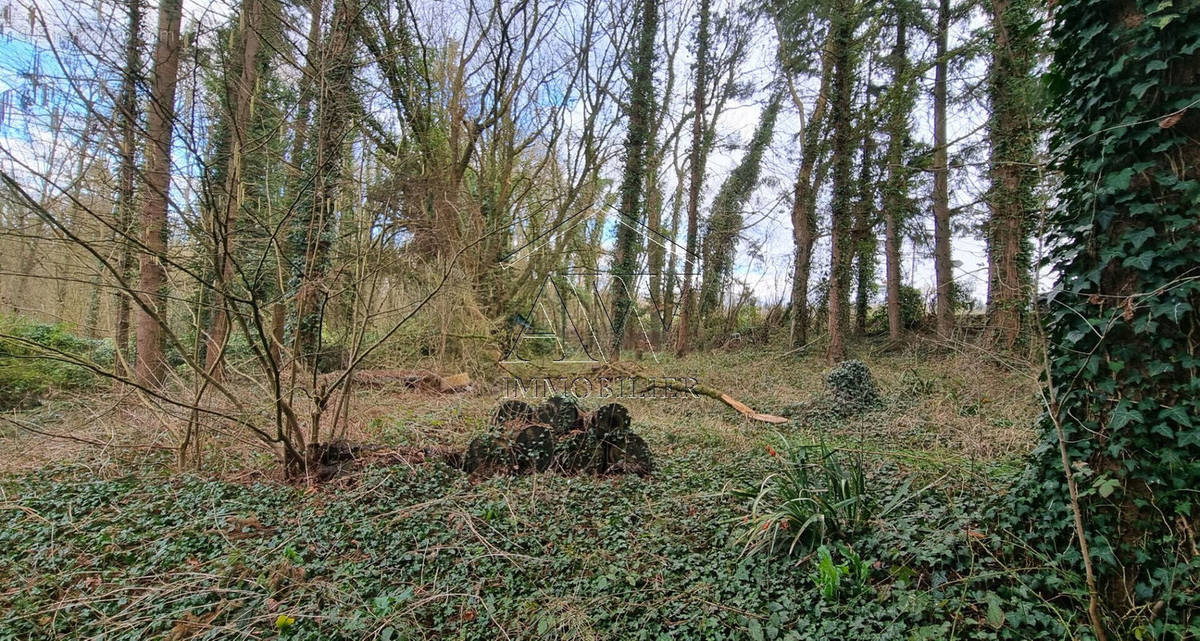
[557,434]
[533,449]
[580,453]
[455,383]
[561,414]
[610,421]
[627,454]
[487,454]
[513,410]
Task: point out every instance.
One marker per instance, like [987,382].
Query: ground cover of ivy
[421,552]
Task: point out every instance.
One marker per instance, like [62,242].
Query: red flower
[771,451]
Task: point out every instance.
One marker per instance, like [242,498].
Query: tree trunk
[240,99]
[315,227]
[895,197]
[150,367]
[127,119]
[695,180]
[804,219]
[1013,136]
[941,186]
[841,250]
[1122,326]
[865,242]
[641,105]
[725,222]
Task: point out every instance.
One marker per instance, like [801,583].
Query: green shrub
[853,573]
[912,311]
[34,360]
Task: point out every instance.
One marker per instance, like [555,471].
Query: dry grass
[947,406]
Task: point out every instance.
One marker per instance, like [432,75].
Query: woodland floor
[109,541]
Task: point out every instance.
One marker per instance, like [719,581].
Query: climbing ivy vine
[1121,322]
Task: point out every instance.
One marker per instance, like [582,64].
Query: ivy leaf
[756,631]
[1179,414]
[1122,417]
[1105,486]
[995,614]
[1119,181]
[1142,261]
[1139,237]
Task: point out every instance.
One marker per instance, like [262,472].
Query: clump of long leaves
[815,495]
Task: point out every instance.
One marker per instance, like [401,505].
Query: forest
[600,319]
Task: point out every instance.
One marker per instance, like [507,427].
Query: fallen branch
[741,407]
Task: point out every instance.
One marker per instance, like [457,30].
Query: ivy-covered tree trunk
[841,249]
[695,180]
[725,224]
[640,107]
[313,228]
[1124,395]
[127,118]
[241,88]
[942,265]
[804,203]
[899,99]
[1013,134]
[865,241]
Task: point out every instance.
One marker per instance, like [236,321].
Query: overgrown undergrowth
[405,549]
[421,552]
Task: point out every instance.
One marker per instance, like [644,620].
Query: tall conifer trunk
[1012,134]
[895,195]
[151,366]
[942,261]
[127,124]
[695,181]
